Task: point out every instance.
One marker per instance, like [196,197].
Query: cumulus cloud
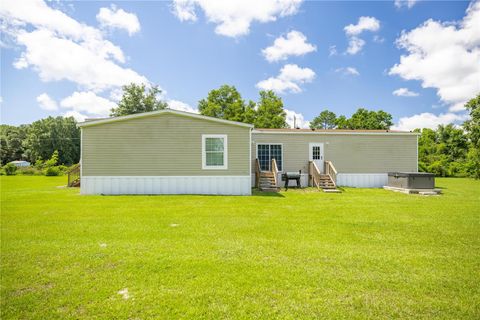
[88,102]
[296,120]
[444,56]
[353,31]
[348,71]
[427,120]
[76,115]
[355,45]
[58,47]
[234,17]
[289,79]
[404,92]
[47,103]
[405,3]
[293,44]
[363,24]
[115,18]
[181,106]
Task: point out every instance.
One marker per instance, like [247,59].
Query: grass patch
[365,253]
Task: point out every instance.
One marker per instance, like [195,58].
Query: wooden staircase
[74,176]
[326,181]
[266,180]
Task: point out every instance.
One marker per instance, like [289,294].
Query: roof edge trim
[159,112]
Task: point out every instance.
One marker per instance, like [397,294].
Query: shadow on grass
[258,193]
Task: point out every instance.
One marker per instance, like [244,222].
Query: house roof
[331,131]
[94,122]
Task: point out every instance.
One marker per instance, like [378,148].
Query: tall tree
[137,99]
[45,136]
[224,103]
[370,120]
[250,112]
[341,122]
[325,120]
[11,138]
[270,112]
[472,126]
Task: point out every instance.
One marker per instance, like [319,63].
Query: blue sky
[70,58]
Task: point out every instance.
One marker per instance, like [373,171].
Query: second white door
[316,154]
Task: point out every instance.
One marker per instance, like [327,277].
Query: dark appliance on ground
[287,176]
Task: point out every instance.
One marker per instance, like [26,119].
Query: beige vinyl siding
[355,153]
[160,145]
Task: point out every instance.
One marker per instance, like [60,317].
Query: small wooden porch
[268,180]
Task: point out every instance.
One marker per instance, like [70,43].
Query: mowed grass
[365,253]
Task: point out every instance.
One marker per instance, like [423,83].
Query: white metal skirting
[362,180]
[216,185]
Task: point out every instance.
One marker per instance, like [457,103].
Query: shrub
[10,169]
[29,171]
[63,169]
[438,168]
[53,160]
[52,171]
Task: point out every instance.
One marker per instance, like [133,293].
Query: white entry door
[316,155]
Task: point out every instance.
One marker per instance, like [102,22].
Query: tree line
[446,151]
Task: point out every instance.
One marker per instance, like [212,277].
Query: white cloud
[76,115]
[404,92]
[355,45]
[47,103]
[56,59]
[363,24]
[234,17]
[116,94]
[298,119]
[348,71]
[119,19]
[288,80]
[405,3]
[353,31]
[444,56]
[181,106]
[88,102]
[427,120]
[293,44]
[332,51]
[61,48]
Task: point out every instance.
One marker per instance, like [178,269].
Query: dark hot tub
[411,180]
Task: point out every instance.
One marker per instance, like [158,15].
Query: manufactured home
[175,152]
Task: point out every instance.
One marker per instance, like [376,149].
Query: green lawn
[365,253]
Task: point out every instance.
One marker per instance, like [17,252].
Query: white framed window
[214,151]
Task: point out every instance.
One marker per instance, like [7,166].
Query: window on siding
[267,152]
[214,151]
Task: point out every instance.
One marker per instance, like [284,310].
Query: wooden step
[269,189]
[335,190]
